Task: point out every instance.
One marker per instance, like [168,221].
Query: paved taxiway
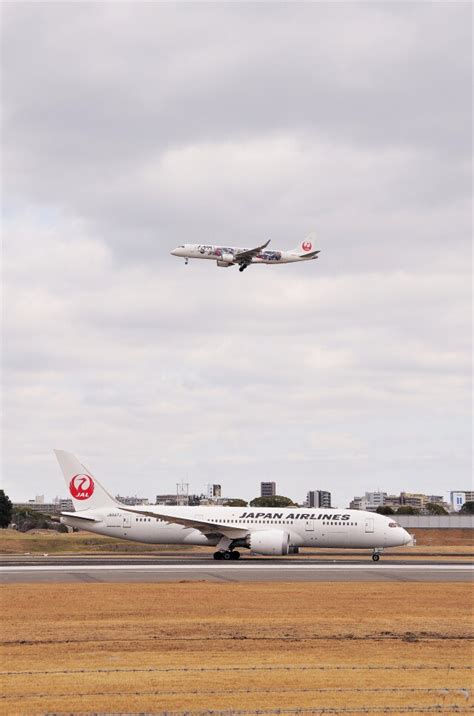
[58,569]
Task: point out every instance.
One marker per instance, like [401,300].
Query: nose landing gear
[376,553]
[186,261]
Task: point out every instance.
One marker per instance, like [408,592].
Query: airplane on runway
[263,530]
[226,256]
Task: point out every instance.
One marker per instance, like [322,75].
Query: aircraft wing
[206,527]
[248,254]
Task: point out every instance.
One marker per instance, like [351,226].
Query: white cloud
[237,125]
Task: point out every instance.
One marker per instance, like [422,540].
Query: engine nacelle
[269,542]
[226,260]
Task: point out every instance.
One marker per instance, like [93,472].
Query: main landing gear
[243,267]
[376,553]
[227,554]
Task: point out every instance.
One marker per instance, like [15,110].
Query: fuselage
[227,255]
[305,527]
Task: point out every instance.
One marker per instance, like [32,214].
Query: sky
[131,128]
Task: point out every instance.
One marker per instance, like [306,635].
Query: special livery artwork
[226,256]
[218,251]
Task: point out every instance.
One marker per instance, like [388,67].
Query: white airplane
[263,530]
[230,255]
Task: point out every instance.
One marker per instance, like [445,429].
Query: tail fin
[86,492]
[306,247]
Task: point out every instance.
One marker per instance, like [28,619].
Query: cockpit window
[393,524]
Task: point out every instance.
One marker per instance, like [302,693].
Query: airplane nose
[407,538]
[174,252]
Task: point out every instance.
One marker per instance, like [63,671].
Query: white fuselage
[226,255]
[306,527]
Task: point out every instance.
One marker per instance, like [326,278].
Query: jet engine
[226,260]
[269,542]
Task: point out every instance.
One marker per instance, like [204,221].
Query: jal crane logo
[306,245]
[81,487]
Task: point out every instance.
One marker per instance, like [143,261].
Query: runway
[165,569]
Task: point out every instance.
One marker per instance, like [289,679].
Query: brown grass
[446,537]
[51,542]
[143,647]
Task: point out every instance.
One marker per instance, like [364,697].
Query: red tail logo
[81,487]
[306,245]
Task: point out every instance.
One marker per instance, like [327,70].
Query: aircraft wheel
[226,555]
[376,557]
[234,554]
[217,555]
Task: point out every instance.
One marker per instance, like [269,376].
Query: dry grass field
[348,647]
[51,542]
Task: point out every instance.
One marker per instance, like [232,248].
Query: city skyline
[446,495]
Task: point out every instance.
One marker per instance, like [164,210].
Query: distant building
[267,489]
[318,498]
[46,508]
[457,498]
[182,493]
[207,502]
[193,500]
[166,500]
[59,504]
[213,491]
[376,498]
[392,501]
[132,500]
[65,504]
[419,501]
[369,502]
[372,500]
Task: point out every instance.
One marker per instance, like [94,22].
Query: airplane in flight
[263,530]
[226,256]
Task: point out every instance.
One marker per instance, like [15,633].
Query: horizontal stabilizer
[78,516]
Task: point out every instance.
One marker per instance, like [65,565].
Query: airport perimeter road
[61,569]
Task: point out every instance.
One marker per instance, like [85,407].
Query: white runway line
[256,567]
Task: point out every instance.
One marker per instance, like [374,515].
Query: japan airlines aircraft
[264,530]
[230,255]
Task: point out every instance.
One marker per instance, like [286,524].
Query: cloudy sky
[132,128]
